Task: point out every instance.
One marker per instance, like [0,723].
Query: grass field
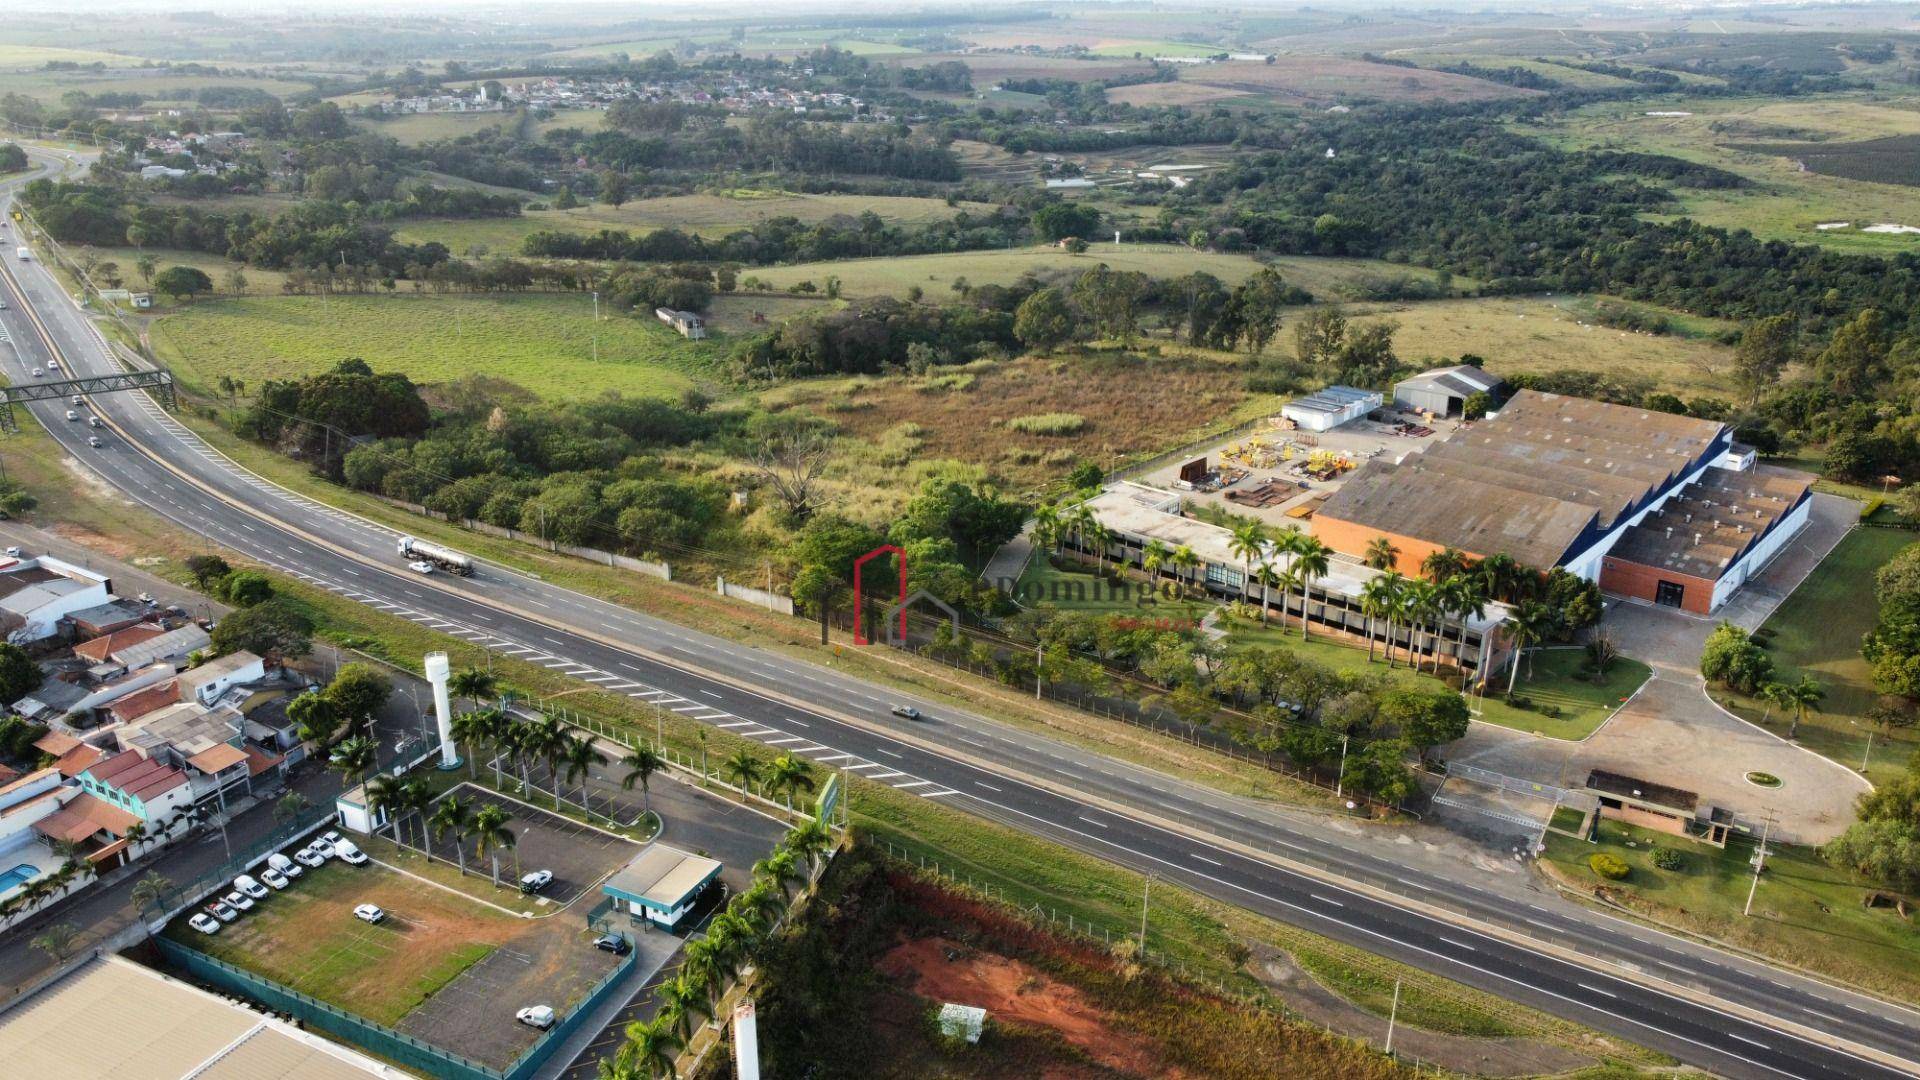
[1805,912]
[47,86]
[414,129]
[1787,202]
[935,274]
[1292,80]
[710,215]
[307,938]
[1817,632]
[1574,77]
[259,282]
[33,56]
[542,342]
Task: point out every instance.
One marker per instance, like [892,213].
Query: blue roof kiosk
[661,884]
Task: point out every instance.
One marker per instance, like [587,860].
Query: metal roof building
[1331,407]
[1443,391]
[661,883]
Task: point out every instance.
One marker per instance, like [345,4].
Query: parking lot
[579,856]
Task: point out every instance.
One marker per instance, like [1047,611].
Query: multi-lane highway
[1495,930]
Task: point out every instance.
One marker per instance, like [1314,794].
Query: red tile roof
[103,647]
[140,777]
[141,702]
[84,816]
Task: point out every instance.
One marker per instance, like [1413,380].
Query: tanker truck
[427,557]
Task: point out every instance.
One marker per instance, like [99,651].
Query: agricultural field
[160,88]
[1576,78]
[22,57]
[417,128]
[1315,80]
[1540,334]
[710,215]
[543,343]
[894,429]
[990,68]
[1756,138]
[124,259]
[936,274]
[1816,632]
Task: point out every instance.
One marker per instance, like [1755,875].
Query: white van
[286,866]
[349,852]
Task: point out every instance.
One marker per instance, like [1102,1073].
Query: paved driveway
[1671,733]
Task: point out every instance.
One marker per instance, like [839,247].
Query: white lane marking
[1459,944]
[890,753]
[888,775]
[1092,821]
[1324,900]
[1749,1042]
[937,794]
[984,784]
[1203,858]
[741,723]
[913,784]
[864,765]
[1609,993]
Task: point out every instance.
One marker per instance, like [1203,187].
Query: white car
[285,865]
[309,858]
[349,853]
[94,441]
[420,566]
[206,924]
[369,913]
[274,878]
[38,373]
[330,837]
[219,910]
[534,882]
[322,847]
[536,1016]
[238,901]
[247,885]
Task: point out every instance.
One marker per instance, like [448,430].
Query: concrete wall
[761,597]
[1624,578]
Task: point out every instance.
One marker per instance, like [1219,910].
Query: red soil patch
[1013,991]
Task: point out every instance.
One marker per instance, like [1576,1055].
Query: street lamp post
[1759,863]
[1339,781]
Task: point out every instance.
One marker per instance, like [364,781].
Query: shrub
[1667,858]
[1611,867]
[1049,423]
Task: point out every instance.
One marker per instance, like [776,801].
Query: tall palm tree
[580,756]
[1247,543]
[419,798]
[780,869]
[1526,627]
[1470,602]
[58,940]
[474,684]
[388,795]
[808,840]
[1269,579]
[472,729]
[616,1068]
[685,1004]
[354,757]
[1376,601]
[650,1048]
[548,742]
[1805,695]
[491,835]
[1183,560]
[743,769]
[1776,695]
[1443,564]
[1381,554]
[641,763]
[1046,525]
[1312,559]
[1153,559]
[150,891]
[791,776]
[451,818]
[760,900]
[1099,536]
[1421,604]
[1075,519]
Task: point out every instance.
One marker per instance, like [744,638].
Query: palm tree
[743,769]
[616,1068]
[790,775]
[650,1048]
[1247,543]
[580,756]
[150,891]
[1527,627]
[546,739]
[1376,601]
[419,797]
[1099,536]
[291,806]
[683,999]
[1422,601]
[1312,559]
[388,795]
[1153,559]
[471,729]
[1443,564]
[1381,554]
[809,840]
[451,817]
[1775,694]
[761,903]
[1183,560]
[641,763]
[1804,696]
[779,869]
[1470,602]
[354,757]
[1046,525]
[1269,579]
[58,940]
[474,684]
[490,835]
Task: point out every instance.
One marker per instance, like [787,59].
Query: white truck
[419,551]
[25,254]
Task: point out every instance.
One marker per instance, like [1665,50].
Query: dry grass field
[1302,80]
[990,68]
[1174,93]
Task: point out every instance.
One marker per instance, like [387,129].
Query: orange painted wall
[1352,539]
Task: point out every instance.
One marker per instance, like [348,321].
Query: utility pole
[1393,1015]
[1039,657]
[1339,781]
[596,326]
[1145,892]
[1864,758]
[1759,863]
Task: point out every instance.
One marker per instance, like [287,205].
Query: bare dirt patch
[1012,991]
[1316,79]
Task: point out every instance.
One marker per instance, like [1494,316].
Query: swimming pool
[17,876]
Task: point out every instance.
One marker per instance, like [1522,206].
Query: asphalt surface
[1345,883]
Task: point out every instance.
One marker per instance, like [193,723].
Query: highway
[1497,931]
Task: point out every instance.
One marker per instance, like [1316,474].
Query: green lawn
[1805,912]
[1817,632]
[306,937]
[1556,680]
[542,342]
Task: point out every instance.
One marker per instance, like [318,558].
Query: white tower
[437,671]
[746,1042]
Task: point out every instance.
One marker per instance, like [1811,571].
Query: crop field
[541,342]
[1894,159]
[1174,93]
[1539,334]
[1753,137]
[1317,79]
[307,938]
[414,129]
[48,86]
[708,215]
[1574,77]
[896,428]
[936,274]
[33,56]
[989,68]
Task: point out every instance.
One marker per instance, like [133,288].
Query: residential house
[206,683]
[36,594]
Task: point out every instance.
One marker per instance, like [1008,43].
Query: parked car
[13,553]
[907,712]
[238,901]
[309,858]
[206,924]
[538,1016]
[322,848]
[612,943]
[369,913]
[223,911]
[285,865]
[535,881]
[349,853]
[274,878]
[246,884]
[331,837]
